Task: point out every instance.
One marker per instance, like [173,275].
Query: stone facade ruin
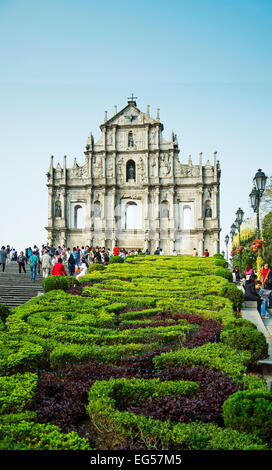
[132,191]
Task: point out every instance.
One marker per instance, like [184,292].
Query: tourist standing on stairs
[46,263]
[3,258]
[21,262]
[33,261]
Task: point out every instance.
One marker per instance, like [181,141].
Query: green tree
[267,233]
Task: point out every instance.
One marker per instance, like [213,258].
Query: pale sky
[205,63]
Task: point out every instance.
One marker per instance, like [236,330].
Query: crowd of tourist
[255,289]
[61,260]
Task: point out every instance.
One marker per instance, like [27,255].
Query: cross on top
[132,98]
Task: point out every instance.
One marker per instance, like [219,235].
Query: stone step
[17,288]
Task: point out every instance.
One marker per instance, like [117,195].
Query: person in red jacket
[115,251]
[58,269]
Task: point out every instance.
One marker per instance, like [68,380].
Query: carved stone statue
[131,172]
[208,210]
[58,209]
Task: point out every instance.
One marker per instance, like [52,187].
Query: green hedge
[249,339]
[225,273]
[116,259]
[4,312]
[96,267]
[211,356]
[250,411]
[112,427]
[31,436]
[17,392]
[58,282]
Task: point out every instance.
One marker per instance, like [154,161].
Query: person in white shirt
[83,270]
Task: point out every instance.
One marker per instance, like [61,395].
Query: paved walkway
[250,312]
[15,288]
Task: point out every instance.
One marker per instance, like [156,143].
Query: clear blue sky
[205,63]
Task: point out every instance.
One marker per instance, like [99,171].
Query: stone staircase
[15,288]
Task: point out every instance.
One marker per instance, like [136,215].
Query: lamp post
[232,233]
[227,242]
[259,183]
[258,189]
[239,220]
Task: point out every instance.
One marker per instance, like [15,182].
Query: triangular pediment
[129,116]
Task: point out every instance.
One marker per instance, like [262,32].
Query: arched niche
[57,211]
[208,209]
[130,170]
[186,217]
[164,210]
[78,216]
[132,216]
[97,210]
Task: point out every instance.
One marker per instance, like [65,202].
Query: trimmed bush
[116,259]
[249,339]
[58,282]
[251,412]
[96,267]
[221,262]
[31,436]
[225,273]
[17,392]
[4,312]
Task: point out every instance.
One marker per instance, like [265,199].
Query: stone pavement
[15,288]
[250,312]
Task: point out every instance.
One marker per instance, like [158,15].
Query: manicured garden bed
[149,353]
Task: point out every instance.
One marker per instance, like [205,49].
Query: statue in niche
[97,209]
[164,210]
[130,140]
[208,210]
[131,172]
[58,209]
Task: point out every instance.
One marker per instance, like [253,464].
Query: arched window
[187,218]
[164,210]
[58,209]
[130,139]
[131,173]
[78,219]
[97,210]
[132,216]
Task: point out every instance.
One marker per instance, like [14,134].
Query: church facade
[132,191]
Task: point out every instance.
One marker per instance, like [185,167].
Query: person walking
[71,264]
[33,262]
[46,263]
[21,262]
[58,269]
[3,258]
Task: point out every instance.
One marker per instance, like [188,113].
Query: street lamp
[239,220]
[256,195]
[232,233]
[259,183]
[227,242]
